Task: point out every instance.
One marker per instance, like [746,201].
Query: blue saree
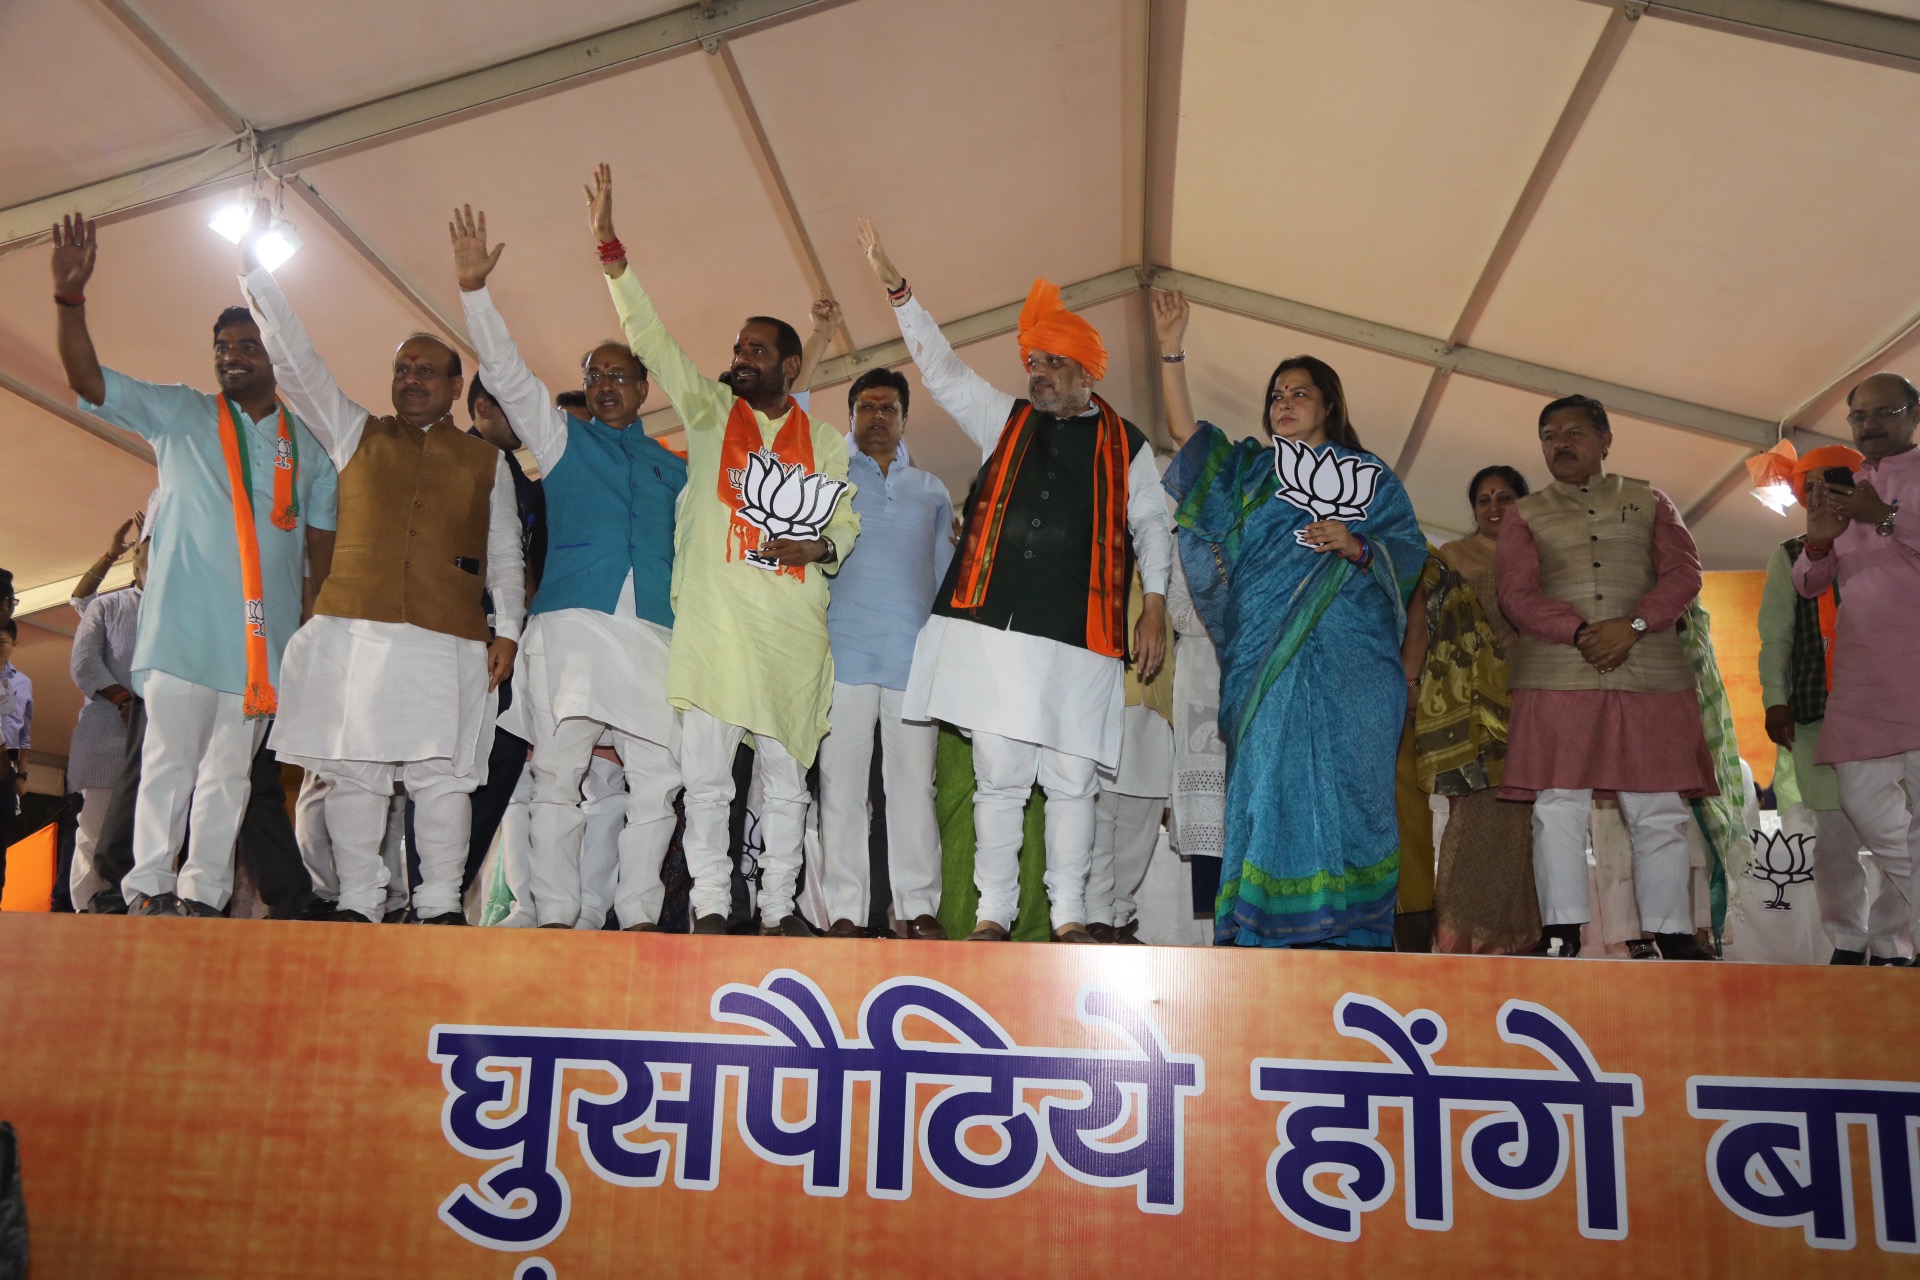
[1312,694]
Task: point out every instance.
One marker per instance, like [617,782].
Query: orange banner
[1732,600]
[216,1099]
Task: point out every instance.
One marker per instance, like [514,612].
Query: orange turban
[1047,326]
[1783,464]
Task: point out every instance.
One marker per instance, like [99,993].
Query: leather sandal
[1073,931]
[988,931]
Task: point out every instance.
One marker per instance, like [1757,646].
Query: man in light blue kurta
[189,661]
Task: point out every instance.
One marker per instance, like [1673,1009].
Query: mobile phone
[1837,477]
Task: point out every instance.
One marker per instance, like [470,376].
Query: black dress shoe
[927,929]
[445,917]
[1843,956]
[1072,931]
[396,916]
[845,929]
[1682,946]
[350,917]
[1128,934]
[710,924]
[157,904]
[108,902]
[645,926]
[1101,932]
[790,926]
[1642,949]
[1892,962]
[319,909]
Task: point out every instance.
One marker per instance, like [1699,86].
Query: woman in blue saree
[1301,550]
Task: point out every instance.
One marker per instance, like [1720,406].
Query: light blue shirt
[192,619]
[16,712]
[885,590]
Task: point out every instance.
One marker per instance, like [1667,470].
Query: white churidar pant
[197,758]
[707,746]
[906,773]
[1125,830]
[1881,798]
[82,883]
[1657,825]
[1004,773]
[561,753]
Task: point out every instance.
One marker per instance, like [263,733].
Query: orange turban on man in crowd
[1047,326]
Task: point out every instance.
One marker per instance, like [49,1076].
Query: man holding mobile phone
[1864,534]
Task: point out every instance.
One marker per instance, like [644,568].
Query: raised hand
[877,257]
[75,247]
[600,204]
[826,315]
[126,535]
[1170,314]
[471,261]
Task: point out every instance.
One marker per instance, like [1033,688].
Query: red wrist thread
[71,299]
[612,251]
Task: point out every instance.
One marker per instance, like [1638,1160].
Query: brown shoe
[790,926]
[988,931]
[555,925]
[1129,934]
[846,929]
[927,929]
[1101,932]
[710,924]
[1072,931]
[645,926]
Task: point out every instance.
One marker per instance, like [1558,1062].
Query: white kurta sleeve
[527,401]
[506,572]
[333,417]
[977,405]
[1149,522]
[88,662]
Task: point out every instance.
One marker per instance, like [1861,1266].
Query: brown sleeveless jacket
[1596,553]
[412,544]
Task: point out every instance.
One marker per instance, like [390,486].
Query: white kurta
[1009,683]
[381,692]
[608,668]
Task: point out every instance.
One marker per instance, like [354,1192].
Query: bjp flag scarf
[260,700]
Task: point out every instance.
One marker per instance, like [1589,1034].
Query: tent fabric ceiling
[1730,226]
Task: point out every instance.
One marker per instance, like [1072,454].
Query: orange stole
[1107,585]
[794,443]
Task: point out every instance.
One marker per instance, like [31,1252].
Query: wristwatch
[832,555]
[1638,623]
[1885,527]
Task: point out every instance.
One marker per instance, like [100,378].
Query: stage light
[1776,497]
[279,242]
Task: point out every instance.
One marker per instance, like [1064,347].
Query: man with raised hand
[600,628]
[766,518]
[224,586]
[1027,643]
[393,679]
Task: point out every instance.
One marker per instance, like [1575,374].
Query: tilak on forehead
[1047,326]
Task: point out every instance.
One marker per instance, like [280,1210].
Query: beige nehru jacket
[412,545]
[1596,553]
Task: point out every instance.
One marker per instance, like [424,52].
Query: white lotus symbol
[1326,486]
[784,500]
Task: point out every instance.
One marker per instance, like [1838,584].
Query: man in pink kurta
[1866,536]
[1594,572]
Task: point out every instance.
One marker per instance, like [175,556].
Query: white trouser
[906,773]
[1657,824]
[516,853]
[316,846]
[1004,771]
[1840,885]
[603,807]
[82,883]
[1125,830]
[1882,800]
[359,812]
[707,746]
[560,756]
[197,758]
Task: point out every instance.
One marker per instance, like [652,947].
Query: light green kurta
[1818,785]
[749,646]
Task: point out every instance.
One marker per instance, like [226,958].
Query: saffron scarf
[1107,584]
[793,445]
[260,700]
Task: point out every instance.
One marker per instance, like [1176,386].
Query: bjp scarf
[794,443]
[1107,584]
[260,701]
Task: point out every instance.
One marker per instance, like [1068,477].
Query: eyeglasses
[618,377]
[1860,417]
[1041,360]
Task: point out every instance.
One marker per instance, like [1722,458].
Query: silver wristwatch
[1885,527]
[1638,623]
[832,554]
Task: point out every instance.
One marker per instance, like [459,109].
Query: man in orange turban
[1027,644]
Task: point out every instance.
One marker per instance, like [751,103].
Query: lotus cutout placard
[783,500]
[1782,860]
[1322,483]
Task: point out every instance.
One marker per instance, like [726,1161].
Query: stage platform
[216,1099]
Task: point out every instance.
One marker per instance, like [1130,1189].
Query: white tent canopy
[1701,212]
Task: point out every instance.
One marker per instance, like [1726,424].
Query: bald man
[1027,645]
[1865,536]
[394,678]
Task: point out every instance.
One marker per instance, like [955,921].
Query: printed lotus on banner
[1782,860]
[1323,483]
[783,500]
